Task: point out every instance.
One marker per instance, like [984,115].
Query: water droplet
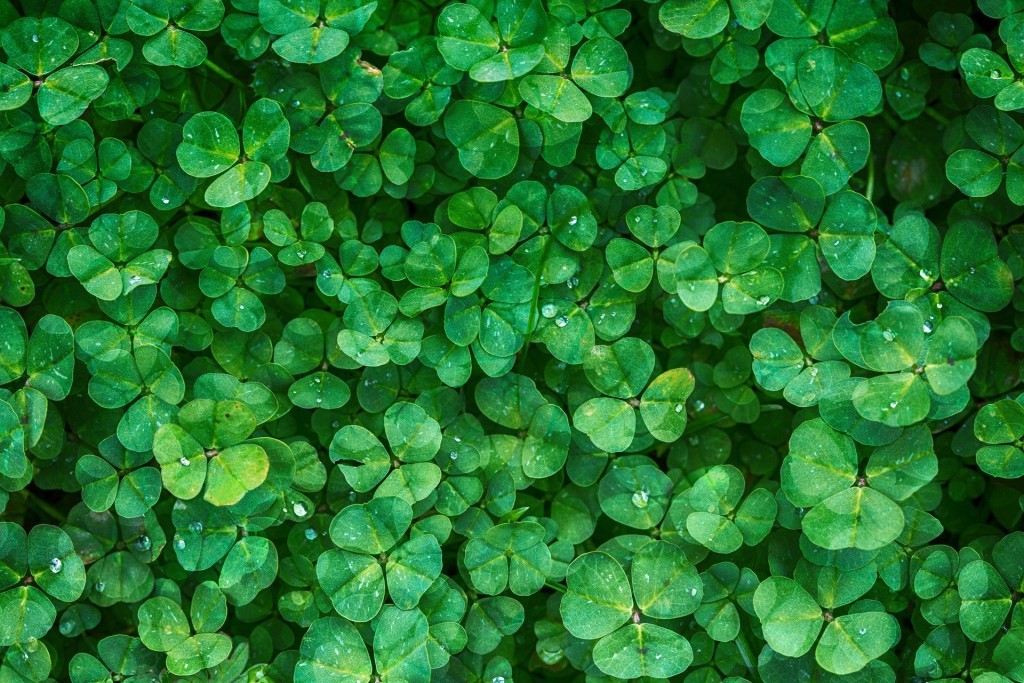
[679,407]
[561,321]
[640,498]
[924,274]
[35,38]
[927,327]
[573,220]
[993,74]
[573,281]
[763,301]
[195,527]
[698,405]
[549,310]
[893,404]
[100,587]
[56,565]
[693,591]
[888,335]
[299,509]
[184,462]
[143,543]
[165,200]
[862,630]
[67,627]
[179,543]
[498,679]
[453,455]
[310,534]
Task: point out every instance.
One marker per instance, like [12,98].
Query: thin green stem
[930,111]
[890,121]
[223,73]
[696,425]
[652,298]
[41,504]
[870,191]
[747,655]
[558,587]
[533,306]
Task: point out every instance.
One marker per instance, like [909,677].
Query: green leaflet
[348,341]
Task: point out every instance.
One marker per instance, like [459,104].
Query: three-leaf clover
[621,613]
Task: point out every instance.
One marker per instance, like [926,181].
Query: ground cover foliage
[352,341]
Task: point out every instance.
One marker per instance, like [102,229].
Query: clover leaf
[599,605]
[347,341]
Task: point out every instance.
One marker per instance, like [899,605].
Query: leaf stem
[747,655]
[694,426]
[45,507]
[558,587]
[533,307]
[870,191]
[652,298]
[223,73]
[931,111]
[890,121]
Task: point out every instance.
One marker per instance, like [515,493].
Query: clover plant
[399,341]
